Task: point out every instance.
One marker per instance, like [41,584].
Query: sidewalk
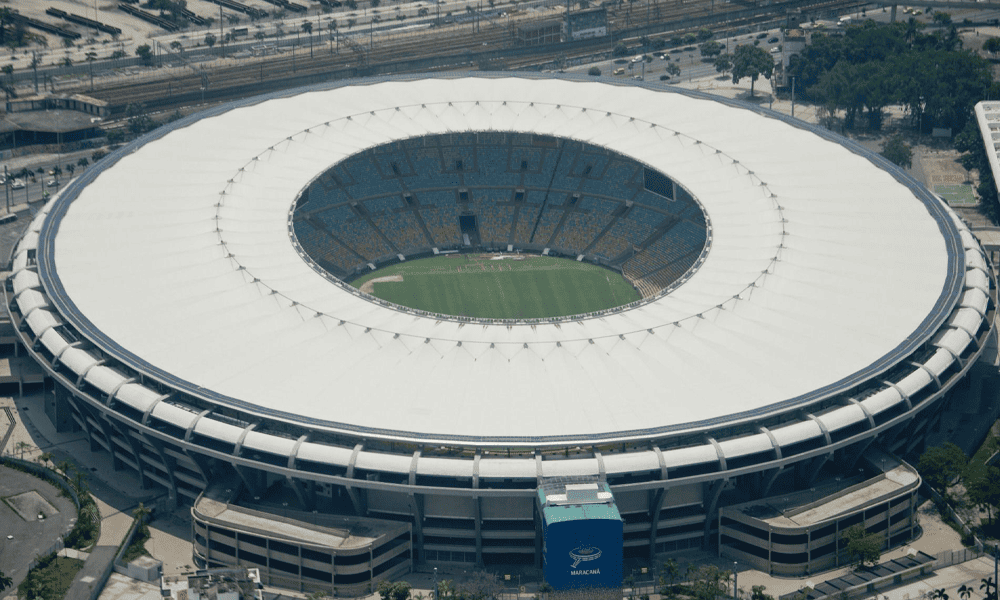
[115,496]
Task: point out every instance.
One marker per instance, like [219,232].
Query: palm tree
[964,592]
[45,457]
[80,483]
[63,467]
[939,594]
[83,162]
[5,581]
[988,588]
[332,27]
[141,513]
[21,447]
[70,168]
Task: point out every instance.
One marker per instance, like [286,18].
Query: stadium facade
[830,310]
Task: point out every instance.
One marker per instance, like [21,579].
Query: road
[688,58]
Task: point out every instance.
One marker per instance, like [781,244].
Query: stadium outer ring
[727,438]
[949,294]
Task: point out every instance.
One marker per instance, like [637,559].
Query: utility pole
[793,96]
[6,187]
[222,37]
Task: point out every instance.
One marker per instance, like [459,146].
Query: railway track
[433,49]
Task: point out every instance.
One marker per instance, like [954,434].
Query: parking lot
[22,540]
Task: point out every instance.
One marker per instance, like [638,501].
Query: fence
[954,557]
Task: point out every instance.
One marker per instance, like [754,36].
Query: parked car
[773,40]
[17,185]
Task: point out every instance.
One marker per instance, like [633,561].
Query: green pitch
[956,194]
[472,285]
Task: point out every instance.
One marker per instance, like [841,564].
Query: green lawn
[50,579]
[474,286]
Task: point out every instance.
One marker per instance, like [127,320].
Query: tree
[704,34]
[594,72]
[375,3]
[757,592]
[708,582]
[67,61]
[989,588]
[307,27]
[982,484]
[145,53]
[393,590]
[138,121]
[939,594]
[22,446]
[620,49]
[992,45]
[898,152]
[480,585]
[942,18]
[940,465]
[710,49]
[83,162]
[723,63]
[5,581]
[673,69]
[210,40]
[80,482]
[668,577]
[70,168]
[351,4]
[964,592]
[141,514]
[752,62]
[863,549]
[64,467]
[44,457]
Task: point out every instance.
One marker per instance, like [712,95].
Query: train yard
[479,44]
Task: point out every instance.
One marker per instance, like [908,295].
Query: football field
[522,287]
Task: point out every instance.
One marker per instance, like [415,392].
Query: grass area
[956,194]
[50,579]
[138,546]
[472,285]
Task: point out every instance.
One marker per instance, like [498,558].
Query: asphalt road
[28,539]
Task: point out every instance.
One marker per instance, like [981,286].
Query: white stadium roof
[823,269]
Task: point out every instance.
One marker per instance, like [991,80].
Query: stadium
[803,310]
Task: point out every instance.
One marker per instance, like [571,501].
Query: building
[213,584]
[537,33]
[344,556]
[582,535]
[196,336]
[585,24]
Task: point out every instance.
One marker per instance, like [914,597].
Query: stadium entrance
[583,535]
[470,231]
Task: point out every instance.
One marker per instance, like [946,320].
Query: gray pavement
[20,540]
[116,493]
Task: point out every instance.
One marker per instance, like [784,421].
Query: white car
[638,58]
[52,183]
[17,185]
